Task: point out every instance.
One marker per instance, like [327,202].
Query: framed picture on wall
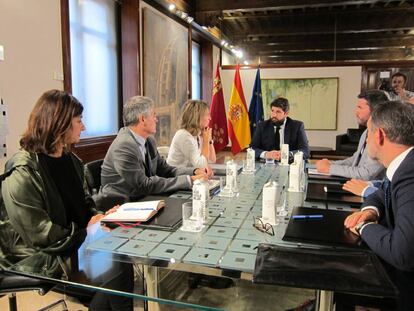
[165,69]
[312,100]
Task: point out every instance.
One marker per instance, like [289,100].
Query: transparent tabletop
[226,246]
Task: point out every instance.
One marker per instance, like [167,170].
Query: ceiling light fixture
[171,7]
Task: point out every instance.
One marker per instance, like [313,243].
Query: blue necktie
[386,187]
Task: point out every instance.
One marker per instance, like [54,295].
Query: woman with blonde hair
[192,144]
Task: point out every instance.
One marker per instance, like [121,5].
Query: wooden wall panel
[130,49]
[207,73]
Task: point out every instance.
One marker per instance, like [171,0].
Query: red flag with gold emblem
[218,122]
[238,116]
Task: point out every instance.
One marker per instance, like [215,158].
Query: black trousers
[122,280]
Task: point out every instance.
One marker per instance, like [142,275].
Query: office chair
[347,144]
[163,151]
[93,175]
[93,179]
[10,284]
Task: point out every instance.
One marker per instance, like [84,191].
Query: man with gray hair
[386,220]
[132,166]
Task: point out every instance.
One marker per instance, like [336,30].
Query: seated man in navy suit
[386,220]
[279,129]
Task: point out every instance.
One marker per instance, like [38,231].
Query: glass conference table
[227,246]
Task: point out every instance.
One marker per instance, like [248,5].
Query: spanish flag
[238,116]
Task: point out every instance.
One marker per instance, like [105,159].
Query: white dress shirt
[282,138]
[185,150]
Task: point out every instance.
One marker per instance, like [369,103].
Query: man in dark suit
[132,166]
[386,220]
[279,129]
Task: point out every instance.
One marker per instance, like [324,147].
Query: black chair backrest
[354,134]
[93,175]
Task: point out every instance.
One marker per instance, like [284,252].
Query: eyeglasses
[261,226]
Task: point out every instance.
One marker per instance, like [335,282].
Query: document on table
[135,211]
[314,171]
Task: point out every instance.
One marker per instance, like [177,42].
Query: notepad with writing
[135,211]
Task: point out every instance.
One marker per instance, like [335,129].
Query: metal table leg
[151,282]
[325,300]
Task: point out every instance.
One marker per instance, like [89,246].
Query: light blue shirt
[141,142]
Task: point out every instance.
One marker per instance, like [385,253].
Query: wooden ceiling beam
[315,44]
[333,57]
[377,50]
[246,5]
[343,37]
[317,13]
[401,53]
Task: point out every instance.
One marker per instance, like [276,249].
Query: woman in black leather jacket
[47,206]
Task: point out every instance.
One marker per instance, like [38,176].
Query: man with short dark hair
[386,220]
[132,165]
[359,165]
[398,83]
[279,129]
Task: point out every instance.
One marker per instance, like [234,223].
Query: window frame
[93,148]
[200,61]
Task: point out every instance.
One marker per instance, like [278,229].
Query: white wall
[31,35]
[30,32]
[349,88]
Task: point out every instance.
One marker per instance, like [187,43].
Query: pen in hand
[138,209]
[317,216]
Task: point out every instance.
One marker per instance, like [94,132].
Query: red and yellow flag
[238,116]
[218,122]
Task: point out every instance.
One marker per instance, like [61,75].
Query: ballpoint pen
[316,216]
[138,209]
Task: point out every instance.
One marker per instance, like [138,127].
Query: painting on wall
[312,100]
[165,70]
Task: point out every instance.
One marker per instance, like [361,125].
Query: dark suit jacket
[294,135]
[393,238]
[124,170]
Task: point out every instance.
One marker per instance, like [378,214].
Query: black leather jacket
[32,214]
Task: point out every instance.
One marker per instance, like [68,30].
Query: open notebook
[135,211]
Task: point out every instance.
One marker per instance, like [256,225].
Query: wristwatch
[359,226]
